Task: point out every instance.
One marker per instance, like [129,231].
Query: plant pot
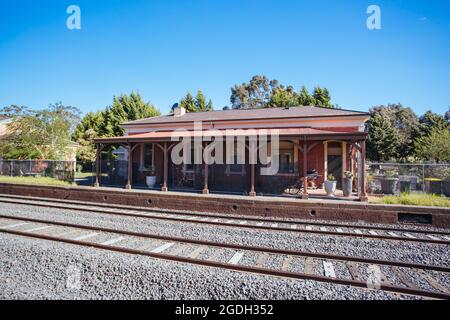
[434,186]
[330,187]
[347,187]
[446,188]
[151,181]
[389,185]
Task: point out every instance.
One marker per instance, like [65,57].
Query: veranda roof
[284,133]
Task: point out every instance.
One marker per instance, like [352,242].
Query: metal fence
[114,173]
[61,170]
[396,178]
[382,178]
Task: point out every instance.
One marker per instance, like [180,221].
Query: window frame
[293,155]
[186,168]
[142,166]
[291,162]
[229,169]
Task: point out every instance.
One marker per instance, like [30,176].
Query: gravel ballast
[351,246]
[39,269]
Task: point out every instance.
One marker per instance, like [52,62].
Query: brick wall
[235,205]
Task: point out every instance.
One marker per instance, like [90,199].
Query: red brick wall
[158,164]
[315,161]
[245,206]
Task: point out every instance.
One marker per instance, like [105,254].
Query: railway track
[393,276]
[321,228]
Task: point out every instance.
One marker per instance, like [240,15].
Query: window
[287,161]
[235,168]
[287,158]
[190,167]
[147,156]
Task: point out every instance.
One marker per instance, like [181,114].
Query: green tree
[240,97]
[430,121]
[322,97]
[39,134]
[253,95]
[128,108]
[86,148]
[197,104]
[383,139]
[188,102]
[261,92]
[200,103]
[304,98]
[283,98]
[435,146]
[405,122]
[91,121]
[107,123]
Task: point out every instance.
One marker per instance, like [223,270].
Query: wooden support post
[305,194]
[166,161]
[206,173]
[364,197]
[344,162]
[205,183]
[325,159]
[252,158]
[352,163]
[252,181]
[130,167]
[97,167]
[352,160]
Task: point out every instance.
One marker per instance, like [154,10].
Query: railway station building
[312,143]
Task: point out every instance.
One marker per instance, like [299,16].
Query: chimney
[179,111]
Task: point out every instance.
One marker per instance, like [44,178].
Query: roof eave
[309,137]
[135,123]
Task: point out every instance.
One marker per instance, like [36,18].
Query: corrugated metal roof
[250,114]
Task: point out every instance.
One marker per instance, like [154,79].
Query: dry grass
[427,200]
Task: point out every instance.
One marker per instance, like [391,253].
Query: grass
[427,200]
[34,180]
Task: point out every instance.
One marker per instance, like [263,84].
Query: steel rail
[236,246]
[236,225]
[239,268]
[219,216]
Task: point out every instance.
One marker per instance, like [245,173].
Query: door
[335,162]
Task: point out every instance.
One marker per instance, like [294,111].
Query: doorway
[335,162]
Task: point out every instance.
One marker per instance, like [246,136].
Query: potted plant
[347,186]
[150,179]
[389,182]
[330,185]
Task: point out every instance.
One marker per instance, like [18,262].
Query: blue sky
[164,48]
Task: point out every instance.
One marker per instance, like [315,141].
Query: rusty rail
[236,225]
[241,268]
[237,246]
